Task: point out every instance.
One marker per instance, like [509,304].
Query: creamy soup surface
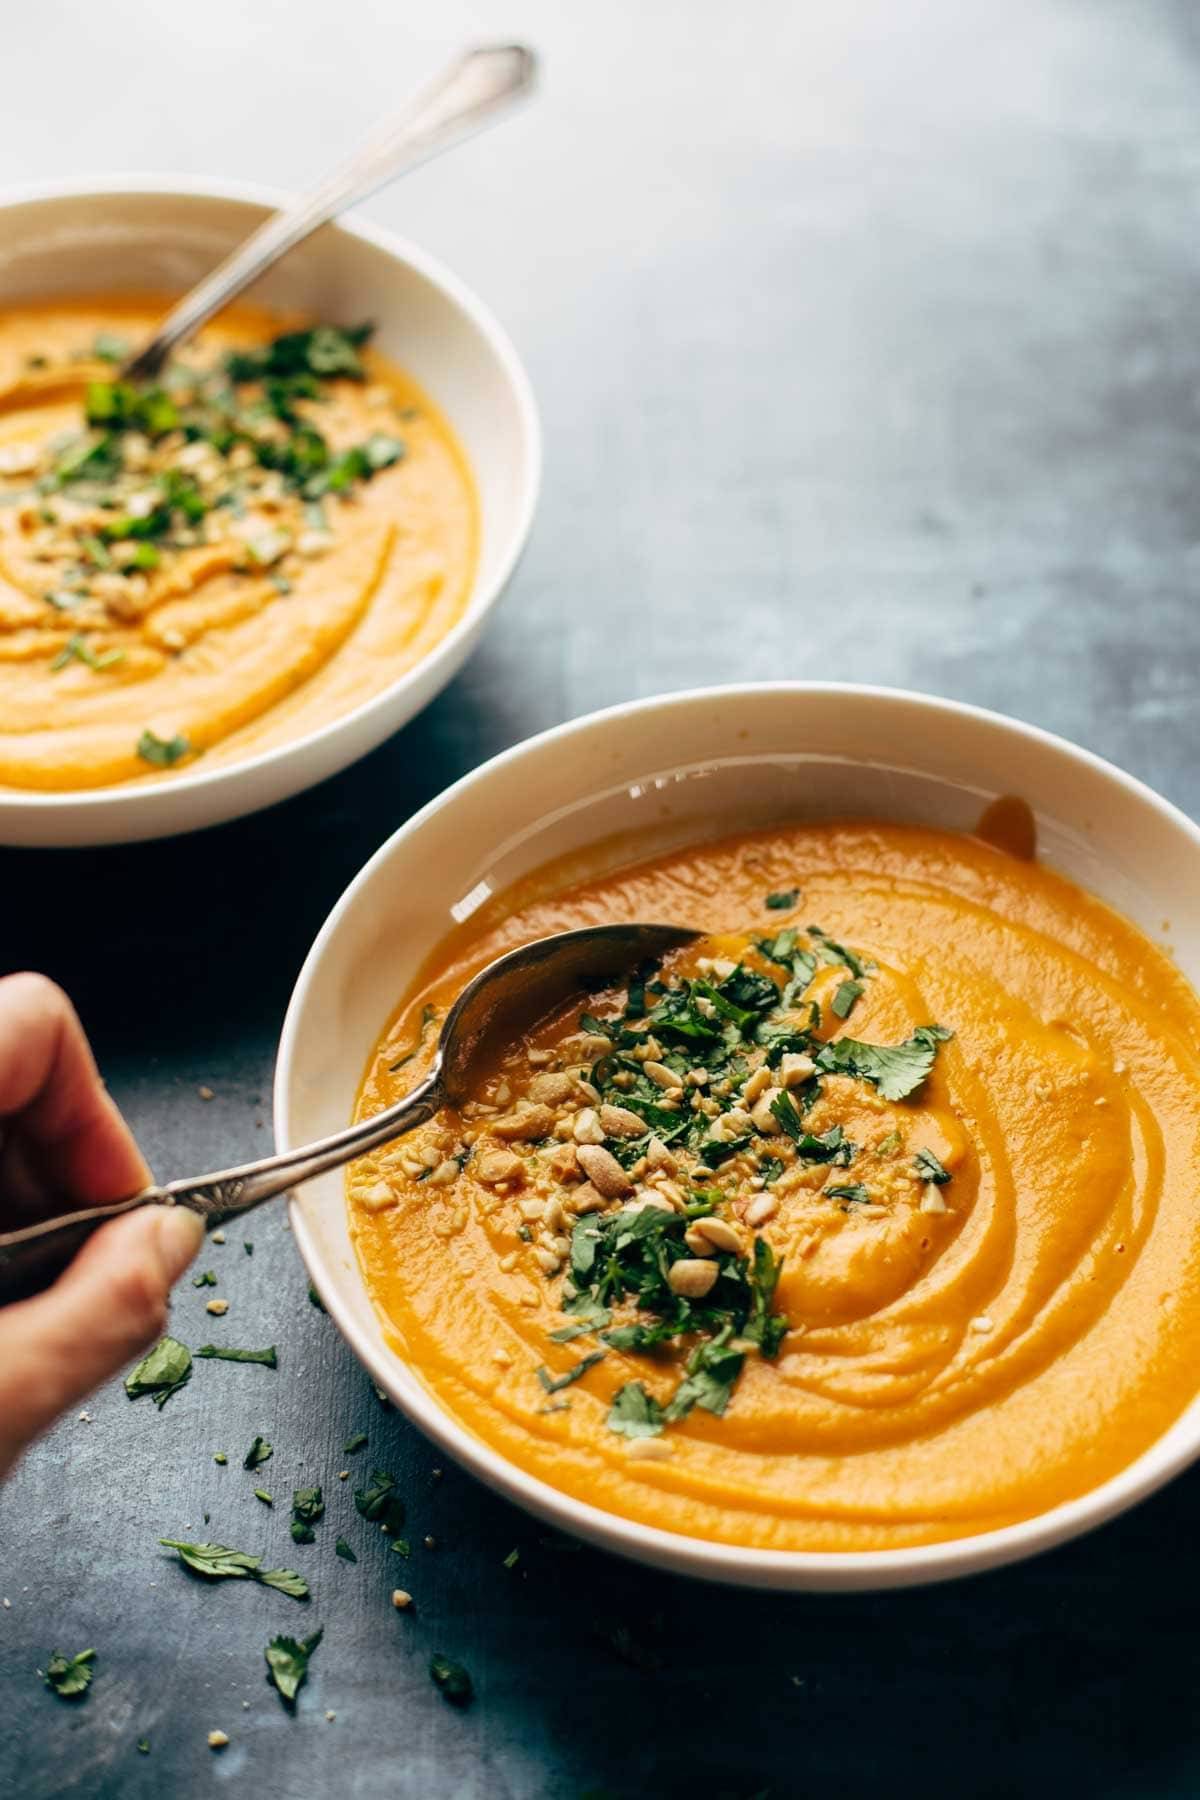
[221,561]
[870,1220]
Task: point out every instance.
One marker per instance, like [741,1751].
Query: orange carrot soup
[221,560]
[867,1220]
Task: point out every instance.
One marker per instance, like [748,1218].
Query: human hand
[64,1145]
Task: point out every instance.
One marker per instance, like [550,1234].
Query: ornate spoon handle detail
[30,1258]
[462,100]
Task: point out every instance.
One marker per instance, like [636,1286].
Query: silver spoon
[467,96]
[493,1010]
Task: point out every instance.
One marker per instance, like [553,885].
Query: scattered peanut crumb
[343,1474]
[206,1093]
[219,1307]
[431,1543]
[218,1237]
[331,1716]
[400,1599]
[217,1740]
[85,1418]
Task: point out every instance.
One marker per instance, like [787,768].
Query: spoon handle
[461,100]
[32,1257]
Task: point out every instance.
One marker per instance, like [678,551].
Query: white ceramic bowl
[676,770]
[146,234]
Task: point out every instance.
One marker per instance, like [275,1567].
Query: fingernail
[180,1235]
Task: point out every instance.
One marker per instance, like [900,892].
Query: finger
[110,1304]
[65,1122]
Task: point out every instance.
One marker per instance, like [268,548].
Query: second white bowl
[137,236]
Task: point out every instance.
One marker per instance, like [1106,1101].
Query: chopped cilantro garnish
[843,1000]
[326,351]
[853,1192]
[379,1502]
[164,753]
[257,1454]
[342,1549]
[78,649]
[896,1069]
[831,1146]
[830,951]
[308,1505]
[552,1385]
[268,1357]
[288,1662]
[929,1168]
[451,1680]
[219,1563]
[781,902]
[161,1373]
[635,1413]
[70,1676]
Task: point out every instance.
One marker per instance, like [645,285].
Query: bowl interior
[680,770]
[126,242]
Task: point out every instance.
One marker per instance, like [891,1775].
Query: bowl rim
[709,1559]
[89,802]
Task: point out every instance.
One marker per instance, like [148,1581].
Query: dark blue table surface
[866,337]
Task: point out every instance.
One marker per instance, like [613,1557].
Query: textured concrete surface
[866,339]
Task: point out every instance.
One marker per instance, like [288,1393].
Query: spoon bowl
[502,1002]
[517,990]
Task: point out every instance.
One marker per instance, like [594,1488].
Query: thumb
[109,1304]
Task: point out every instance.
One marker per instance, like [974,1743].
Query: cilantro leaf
[781,902]
[635,1413]
[284,1581]
[897,1070]
[842,1004]
[831,1146]
[342,1549]
[288,1662]
[356,1441]
[70,1676]
[929,1168]
[711,1371]
[326,351]
[267,1357]
[161,1372]
[451,1680]
[308,1504]
[765,1328]
[379,1502]
[219,1563]
[830,951]
[215,1560]
[853,1192]
[781,948]
[164,753]
[258,1453]
[553,1385]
